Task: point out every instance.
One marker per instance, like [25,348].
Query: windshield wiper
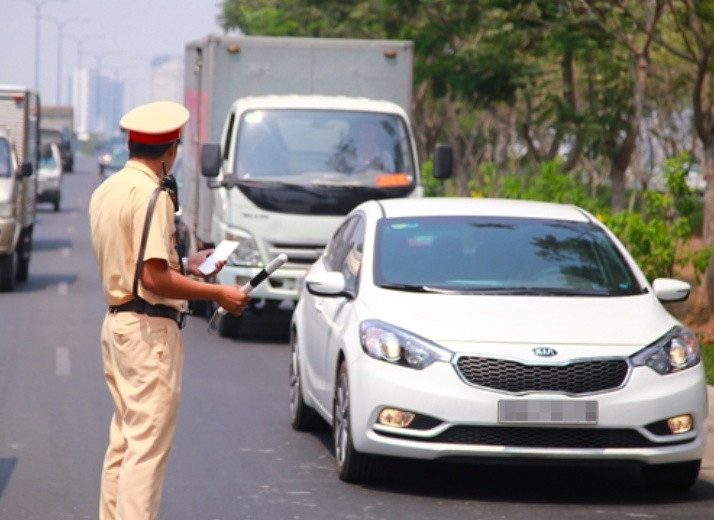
[414,288]
[539,291]
[253,183]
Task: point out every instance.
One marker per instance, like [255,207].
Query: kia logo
[545,352]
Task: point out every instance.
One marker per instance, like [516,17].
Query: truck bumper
[283,284]
[9,234]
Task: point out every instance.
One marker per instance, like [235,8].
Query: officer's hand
[233,299]
[197,259]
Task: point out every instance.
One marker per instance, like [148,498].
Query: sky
[122,36]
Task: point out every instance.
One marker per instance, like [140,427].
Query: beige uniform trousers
[143,362]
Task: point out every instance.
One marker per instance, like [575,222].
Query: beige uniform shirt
[117,210]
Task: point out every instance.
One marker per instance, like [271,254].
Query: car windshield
[47,162]
[500,256]
[5,160]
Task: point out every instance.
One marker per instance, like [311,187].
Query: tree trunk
[617,180]
[708,228]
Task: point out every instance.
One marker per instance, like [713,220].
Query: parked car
[113,161]
[495,330]
[49,175]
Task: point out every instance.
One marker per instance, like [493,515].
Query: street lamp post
[79,40]
[38,4]
[80,97]
[60,27]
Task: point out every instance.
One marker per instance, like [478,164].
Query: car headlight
[675,351]
[247,251]
[394,345]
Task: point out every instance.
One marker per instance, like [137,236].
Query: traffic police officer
[142,350]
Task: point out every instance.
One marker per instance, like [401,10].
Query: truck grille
[582,377]
[299,255]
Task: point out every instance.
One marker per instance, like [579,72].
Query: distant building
[98,103]
[100,100]
[166,79]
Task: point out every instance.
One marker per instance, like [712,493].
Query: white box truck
[289,134]
[19,157]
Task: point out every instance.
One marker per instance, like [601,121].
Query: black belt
[143,307]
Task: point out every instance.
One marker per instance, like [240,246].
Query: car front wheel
[302,417]
[352,466]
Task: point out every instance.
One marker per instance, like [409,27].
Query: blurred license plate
[542,411]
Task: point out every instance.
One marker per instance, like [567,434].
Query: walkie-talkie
[169,184]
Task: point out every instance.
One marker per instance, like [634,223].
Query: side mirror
[443,161]
[669,290]
[210,160]
[326,284]
[26,169]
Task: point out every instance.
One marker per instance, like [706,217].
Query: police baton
[269,269]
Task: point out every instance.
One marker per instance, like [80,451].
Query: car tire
[352,466]
[24,254]
[7,272]
[302,417]
[56,203]
[677,477]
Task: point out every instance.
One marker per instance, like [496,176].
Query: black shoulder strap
[144,236]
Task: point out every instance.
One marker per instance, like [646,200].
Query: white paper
[222,252]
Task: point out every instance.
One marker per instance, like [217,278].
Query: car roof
[448,206]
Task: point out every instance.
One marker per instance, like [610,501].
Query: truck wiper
[252,183]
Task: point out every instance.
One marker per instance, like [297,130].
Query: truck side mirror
[443,161]
[210,159]
[26,169]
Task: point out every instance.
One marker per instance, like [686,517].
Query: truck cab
[17,208]
[289,168]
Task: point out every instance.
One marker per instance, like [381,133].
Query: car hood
[631,321]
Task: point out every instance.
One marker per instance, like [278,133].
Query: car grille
[539,437]
[582,377]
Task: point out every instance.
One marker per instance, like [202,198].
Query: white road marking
[62,361]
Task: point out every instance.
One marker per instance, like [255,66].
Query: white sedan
[494,330]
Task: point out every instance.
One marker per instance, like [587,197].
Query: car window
[501,254]
[337,249]
[352,262]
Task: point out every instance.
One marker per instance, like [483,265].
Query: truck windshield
[5,159]
[324,161]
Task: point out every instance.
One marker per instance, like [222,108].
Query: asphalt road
[235,455]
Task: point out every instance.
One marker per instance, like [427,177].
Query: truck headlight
[394,345]
[675,351]
[247,251]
